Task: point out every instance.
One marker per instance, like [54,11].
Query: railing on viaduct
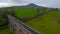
[18,27]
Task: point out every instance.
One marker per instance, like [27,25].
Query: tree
[3,19]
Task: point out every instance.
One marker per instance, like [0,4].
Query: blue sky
[45,3]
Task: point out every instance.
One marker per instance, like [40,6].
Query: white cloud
[6,4]
[45,5]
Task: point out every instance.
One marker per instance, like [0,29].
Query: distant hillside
[31,5]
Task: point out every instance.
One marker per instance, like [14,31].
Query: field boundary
[29,18]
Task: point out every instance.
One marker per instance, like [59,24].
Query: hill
[31,5]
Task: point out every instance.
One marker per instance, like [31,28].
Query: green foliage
[3,19]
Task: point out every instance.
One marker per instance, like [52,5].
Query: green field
[5,31]
[46,24]
[26,12]
[23,12]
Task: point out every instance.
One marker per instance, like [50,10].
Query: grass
[5,31]
[25,12]
[46,24]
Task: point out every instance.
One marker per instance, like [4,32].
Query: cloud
[45,3]
[24,1]
[6,4]
[50,3]
[5,1]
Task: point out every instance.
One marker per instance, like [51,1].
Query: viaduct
[18,27]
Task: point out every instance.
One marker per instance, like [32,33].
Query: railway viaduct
[18,27]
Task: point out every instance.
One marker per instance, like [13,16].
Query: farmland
[26,12]
[46,24]
[22,12]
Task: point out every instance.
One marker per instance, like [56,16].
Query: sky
[45,3]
